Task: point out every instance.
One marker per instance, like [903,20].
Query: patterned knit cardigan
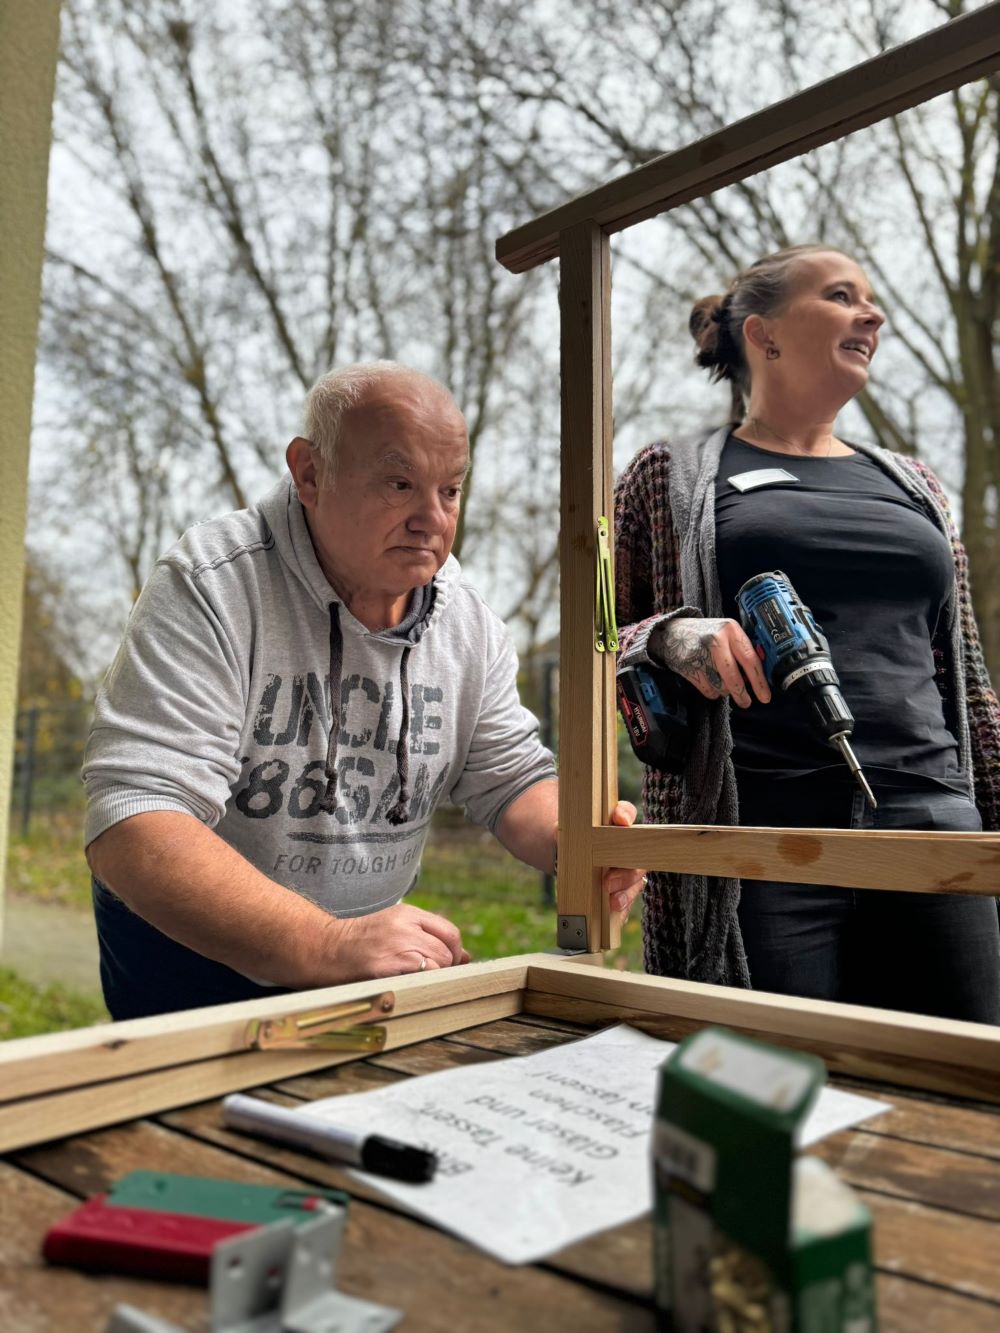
[689,922]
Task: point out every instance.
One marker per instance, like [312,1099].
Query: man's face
[387,523]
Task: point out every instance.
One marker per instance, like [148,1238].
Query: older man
[300,685]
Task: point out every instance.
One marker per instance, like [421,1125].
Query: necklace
[754,422]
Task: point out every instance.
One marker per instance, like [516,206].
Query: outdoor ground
[48,955]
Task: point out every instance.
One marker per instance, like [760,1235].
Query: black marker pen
[370,1152]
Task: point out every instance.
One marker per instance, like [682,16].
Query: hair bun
[706,327]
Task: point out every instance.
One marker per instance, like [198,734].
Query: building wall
[29,38]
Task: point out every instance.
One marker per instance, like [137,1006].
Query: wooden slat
[908,1049]
[611,921]
[853,1061]
[38,1119]
[955,53]
[905,1306]
[64,1060]
[956,1181]
[908,861]
[583,267]
[936,1123]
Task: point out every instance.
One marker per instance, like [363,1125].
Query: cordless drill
[656,703]
[796,656]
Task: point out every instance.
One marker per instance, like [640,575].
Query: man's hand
[623,886]
[393,941]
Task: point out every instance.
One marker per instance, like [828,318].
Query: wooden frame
[577,233]
[70,1082]
[67,1083]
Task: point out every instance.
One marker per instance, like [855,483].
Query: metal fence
[48,752]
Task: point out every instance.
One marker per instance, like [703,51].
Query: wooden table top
[929,1170]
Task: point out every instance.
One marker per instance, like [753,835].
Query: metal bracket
[605,626]
[571,933]
[329,1029]
[276,1279]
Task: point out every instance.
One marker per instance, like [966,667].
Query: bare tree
[274,199]
[916,199]
[269,190]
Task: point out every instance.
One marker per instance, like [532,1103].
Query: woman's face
[827,332]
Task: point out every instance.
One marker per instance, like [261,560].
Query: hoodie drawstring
[336,671]
[399,812]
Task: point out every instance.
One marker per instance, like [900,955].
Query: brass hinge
[329,1029]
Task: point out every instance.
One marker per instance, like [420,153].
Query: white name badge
[764,476]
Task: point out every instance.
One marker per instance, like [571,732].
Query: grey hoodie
[218,705]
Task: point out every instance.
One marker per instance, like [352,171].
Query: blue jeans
[927,953]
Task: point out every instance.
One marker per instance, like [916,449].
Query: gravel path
[46,942]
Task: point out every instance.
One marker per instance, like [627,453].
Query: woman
[867,541]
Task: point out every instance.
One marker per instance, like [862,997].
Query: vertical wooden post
[587,755]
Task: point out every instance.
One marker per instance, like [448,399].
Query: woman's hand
[715,656]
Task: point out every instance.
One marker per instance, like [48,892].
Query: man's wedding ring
[423,964]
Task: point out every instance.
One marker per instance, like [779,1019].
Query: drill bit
[851,759]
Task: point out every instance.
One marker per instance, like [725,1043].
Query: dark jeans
[927,953]
[145,972]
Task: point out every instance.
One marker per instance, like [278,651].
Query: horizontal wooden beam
[909,1049]
[39,1119]
[116,1051]
[910,861]
[955,53]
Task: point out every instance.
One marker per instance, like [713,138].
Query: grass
[47,864]
[466,876]
[494,900]
[27,1010]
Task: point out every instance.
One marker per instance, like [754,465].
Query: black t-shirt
[875,571]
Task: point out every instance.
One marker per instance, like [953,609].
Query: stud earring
[772,352]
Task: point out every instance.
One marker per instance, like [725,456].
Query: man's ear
[301,459]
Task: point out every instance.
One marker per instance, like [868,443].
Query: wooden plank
[35,1298]
[910,861]
[955,53]
[907,1049]
[937,1122]
[620,1258]
[956,1181]
[931,1245]
[506,1038]
[62,1060]
[430,1056]
[905,1306]
[438,1281]
[38,1119]
[583,265]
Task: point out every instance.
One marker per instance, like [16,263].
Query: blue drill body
[795,656]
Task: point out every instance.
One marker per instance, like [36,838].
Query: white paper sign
[538,1151]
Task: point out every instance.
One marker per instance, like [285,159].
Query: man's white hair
[337,392]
